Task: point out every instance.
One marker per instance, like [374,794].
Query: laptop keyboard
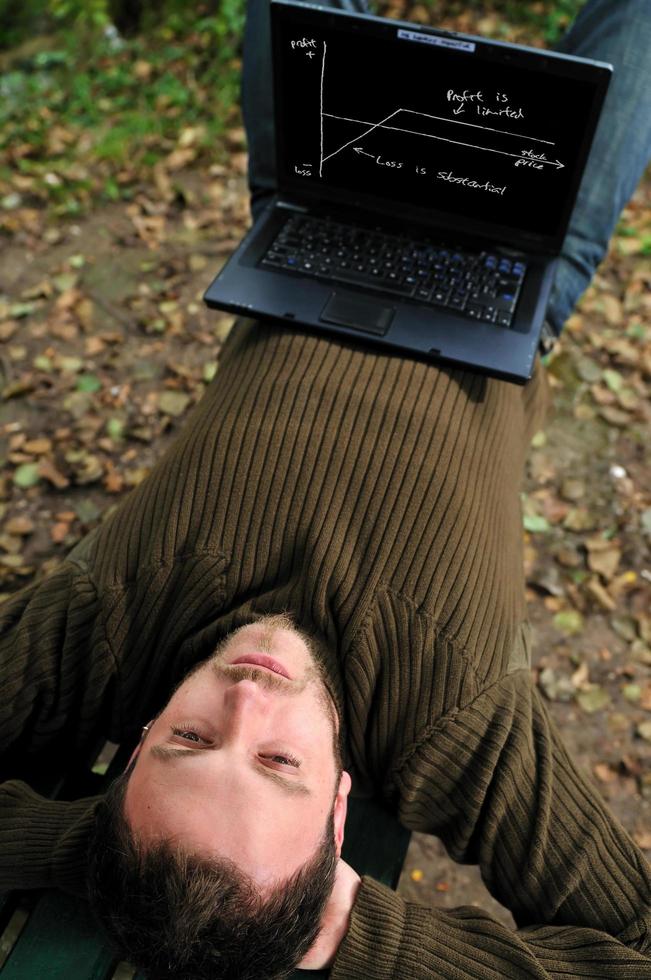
[478,285]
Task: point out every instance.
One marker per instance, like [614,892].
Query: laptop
[425,181]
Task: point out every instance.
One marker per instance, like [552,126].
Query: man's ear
[341,809]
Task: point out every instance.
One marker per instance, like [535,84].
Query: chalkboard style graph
[447,125]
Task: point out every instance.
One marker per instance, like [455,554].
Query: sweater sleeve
[56,676]
[495,783]
[390,939]
[43,843]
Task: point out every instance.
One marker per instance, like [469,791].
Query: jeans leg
[618,31]
[257,96]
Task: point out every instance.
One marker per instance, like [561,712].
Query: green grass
[125,106]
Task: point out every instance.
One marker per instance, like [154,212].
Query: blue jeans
[617,31]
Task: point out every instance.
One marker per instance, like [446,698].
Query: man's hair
[178,916]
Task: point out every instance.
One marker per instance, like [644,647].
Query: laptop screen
[453,129]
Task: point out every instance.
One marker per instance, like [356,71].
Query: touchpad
[358,312]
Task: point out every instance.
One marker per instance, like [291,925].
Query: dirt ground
[106,344]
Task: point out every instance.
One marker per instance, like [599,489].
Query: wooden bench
[59,940]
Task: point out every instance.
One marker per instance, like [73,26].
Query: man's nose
[244,700]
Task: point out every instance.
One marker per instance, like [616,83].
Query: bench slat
[61,942]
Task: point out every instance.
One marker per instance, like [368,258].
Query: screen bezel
[542,60]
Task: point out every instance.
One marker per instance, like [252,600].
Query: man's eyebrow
[167,753]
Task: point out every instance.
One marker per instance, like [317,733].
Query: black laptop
[425,184]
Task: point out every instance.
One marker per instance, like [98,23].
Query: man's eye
[187,734]
[284,760]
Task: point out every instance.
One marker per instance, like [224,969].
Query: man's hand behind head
[335,919]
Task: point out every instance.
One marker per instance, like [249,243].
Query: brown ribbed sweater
[376,498]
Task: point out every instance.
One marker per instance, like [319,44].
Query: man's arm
[496,784]
[390,939]
[55,676]
[494,781]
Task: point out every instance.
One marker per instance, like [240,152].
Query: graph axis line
[321,109]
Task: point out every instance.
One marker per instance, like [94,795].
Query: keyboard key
[457,302]
[363,280]
[475,310]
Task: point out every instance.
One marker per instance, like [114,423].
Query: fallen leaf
[595,589]
[173,402]
[38,446]
[640,652]
[13,545]
[604,773]
[568,557]
[579,519]
[113,481]
[644,730]
[556,686]
[66,281]
[588,370]
[632,692]
[624,626]
[593,698]
[59,532]
[604,561]
[49,472]
[631,765]
[70,365]
[209,371]
[613,380]
[535,523]
[573,489]
[87,511]
[22,526]
[88,383]
[27,475]
[569,621]
[580,675]
[615,416]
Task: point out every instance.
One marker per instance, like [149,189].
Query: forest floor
[106,345]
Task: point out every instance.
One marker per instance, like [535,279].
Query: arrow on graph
[358,149]
[543,159]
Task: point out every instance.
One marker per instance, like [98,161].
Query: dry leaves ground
[106,345]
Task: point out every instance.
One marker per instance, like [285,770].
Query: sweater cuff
[43,843]
[371,947]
